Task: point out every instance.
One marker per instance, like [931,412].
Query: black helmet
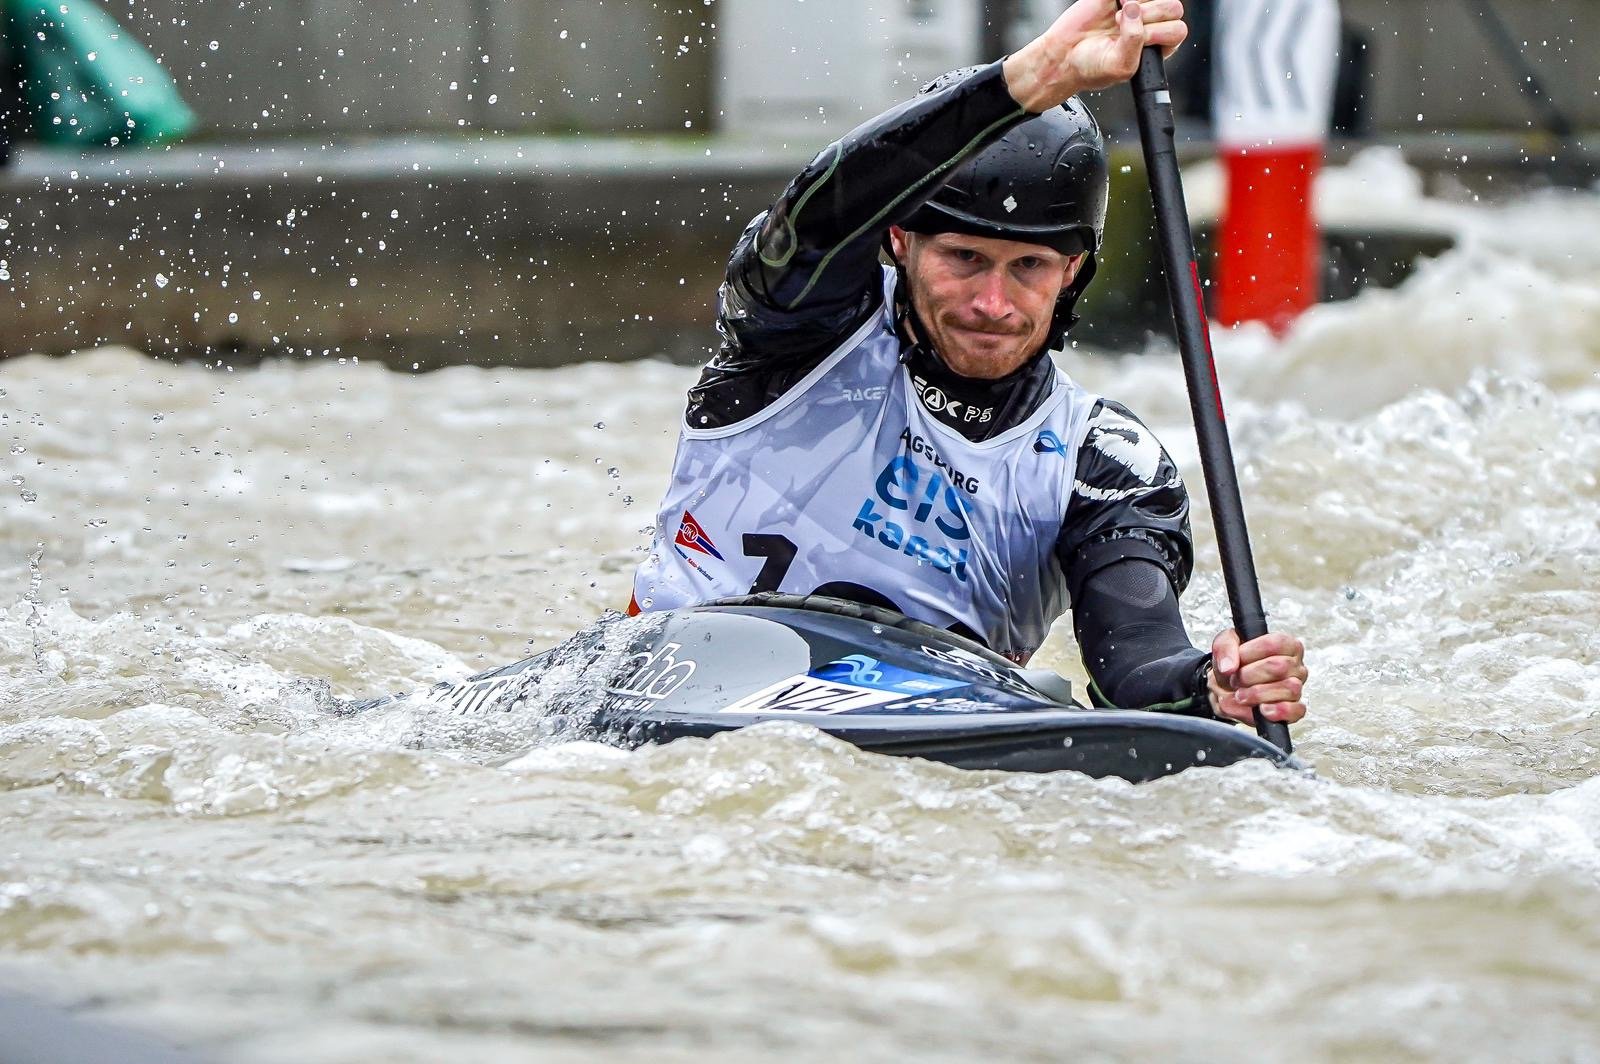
[1044,182]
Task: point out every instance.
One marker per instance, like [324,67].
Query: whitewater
[199,565]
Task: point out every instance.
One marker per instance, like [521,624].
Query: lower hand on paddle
[1268,672]
[1094,44]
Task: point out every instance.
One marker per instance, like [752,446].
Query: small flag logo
[691,535]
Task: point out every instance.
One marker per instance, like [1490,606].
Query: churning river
[196,564]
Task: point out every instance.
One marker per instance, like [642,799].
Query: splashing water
[203,839]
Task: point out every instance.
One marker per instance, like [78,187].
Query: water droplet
[613,472]
[17,448]
[213,46]
[599,424]
[19,479]
[233,318]
[161,280]
[30,496]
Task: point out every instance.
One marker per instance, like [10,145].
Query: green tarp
[88,82]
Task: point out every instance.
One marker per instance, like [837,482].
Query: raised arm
[804,274]
[816,248]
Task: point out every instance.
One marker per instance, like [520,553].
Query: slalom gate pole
[1153,101]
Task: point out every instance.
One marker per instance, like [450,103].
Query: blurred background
[543,181]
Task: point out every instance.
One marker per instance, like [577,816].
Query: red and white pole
[1274,66]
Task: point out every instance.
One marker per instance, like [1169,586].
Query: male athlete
[898,435]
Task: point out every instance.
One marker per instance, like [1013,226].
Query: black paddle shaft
[1156,128]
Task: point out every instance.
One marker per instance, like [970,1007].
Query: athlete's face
[987,304]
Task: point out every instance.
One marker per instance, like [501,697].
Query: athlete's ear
[1069,272]
[899,243]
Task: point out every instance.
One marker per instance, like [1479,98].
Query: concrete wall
[814,70]
[282,67]
[526,251]
[1432,57]
[517,251]
[529,249]
[376,66]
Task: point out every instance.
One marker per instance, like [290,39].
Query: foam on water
[201,835]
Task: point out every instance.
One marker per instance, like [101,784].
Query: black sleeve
[1133,641]
[1126,549]
[804,274]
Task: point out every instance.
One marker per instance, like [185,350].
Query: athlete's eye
[965,254]
[1030,262]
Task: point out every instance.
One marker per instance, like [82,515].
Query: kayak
[870,677]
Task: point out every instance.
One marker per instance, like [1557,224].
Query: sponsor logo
[931,507]
[919,446]
[471,697]
[1131,446]
[970,662]
[809,694]
[692,536]
[934,398]
[1125,442]
[873,394]
[949,705]
[862,671]
[1048,442]
[655,674]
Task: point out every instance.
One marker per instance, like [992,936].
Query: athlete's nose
[991,299]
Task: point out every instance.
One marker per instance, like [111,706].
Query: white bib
[848,479]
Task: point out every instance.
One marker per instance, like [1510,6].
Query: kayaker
[897,434]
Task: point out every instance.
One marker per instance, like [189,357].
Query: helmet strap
[1066,303]
[906,319]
